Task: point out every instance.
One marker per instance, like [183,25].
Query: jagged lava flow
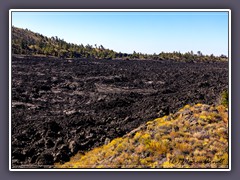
[61,107]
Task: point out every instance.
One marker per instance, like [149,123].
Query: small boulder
[73,146]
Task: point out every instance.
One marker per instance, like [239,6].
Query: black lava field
[61,107]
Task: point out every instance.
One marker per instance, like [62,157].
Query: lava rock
[45,159]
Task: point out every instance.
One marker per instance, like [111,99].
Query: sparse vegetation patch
[189,142]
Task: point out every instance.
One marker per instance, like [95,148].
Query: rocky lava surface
[61,107]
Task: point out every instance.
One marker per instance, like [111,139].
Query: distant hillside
[26,42]
[194,137]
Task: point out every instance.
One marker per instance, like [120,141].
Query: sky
[145,32]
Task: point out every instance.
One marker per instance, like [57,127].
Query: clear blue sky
[146,32]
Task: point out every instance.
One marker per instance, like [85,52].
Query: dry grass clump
[194,137]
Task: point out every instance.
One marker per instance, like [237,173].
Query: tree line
[27,42]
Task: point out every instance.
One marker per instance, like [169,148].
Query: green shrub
[224,98]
